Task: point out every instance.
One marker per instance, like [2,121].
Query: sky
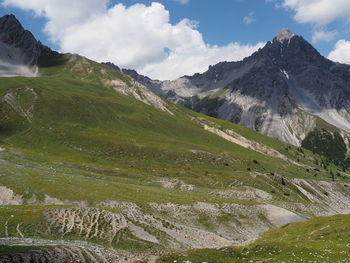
[167,39]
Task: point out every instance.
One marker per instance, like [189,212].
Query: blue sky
[245,23]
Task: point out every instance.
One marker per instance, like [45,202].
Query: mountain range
[98,164]
[286,90]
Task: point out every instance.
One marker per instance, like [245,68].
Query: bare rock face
[19,50]
[284,34]
[282,90]
[15,36]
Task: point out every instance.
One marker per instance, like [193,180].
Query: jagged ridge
[284,90]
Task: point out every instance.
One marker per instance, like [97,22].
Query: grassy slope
[324,239]
[84,138]
[69,136]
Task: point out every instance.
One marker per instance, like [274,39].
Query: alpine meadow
[247,161]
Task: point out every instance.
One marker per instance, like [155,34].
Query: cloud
[61,14]
[341,52]
[318,12]
[323,36]
[139,37]
[249,19]
[197,60]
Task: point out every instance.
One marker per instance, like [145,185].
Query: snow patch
[285,73]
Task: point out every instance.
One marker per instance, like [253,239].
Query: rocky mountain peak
[291,52]
[19,50]
[282,90]
[10,18]
[15,38]
[112,65]
[12,32]
[284,34]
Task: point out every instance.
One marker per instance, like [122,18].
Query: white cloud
[318,12]
[61,14]
[194,60]
[249,19]
[139,37]
[341,52]
[323,36]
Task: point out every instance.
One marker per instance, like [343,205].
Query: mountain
[285,90]
[153,85]
[94,167]
[19,50]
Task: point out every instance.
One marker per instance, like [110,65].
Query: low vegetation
[71,142]
[323,239]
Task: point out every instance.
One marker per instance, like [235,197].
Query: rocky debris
[48,200]
[317,198]
[173,183]
[236,138]
[89,223]
[197,225]
[8,197]
[202,225]
[81,65]
[12,98]
[53,255]
[333,197]
[58,251]
[279,216]
[152,85]
[141,233]
[245,193]
[139,92]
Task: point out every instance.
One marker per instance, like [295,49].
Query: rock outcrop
[284,90]
[19,50]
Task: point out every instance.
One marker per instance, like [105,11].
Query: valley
[96,167]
